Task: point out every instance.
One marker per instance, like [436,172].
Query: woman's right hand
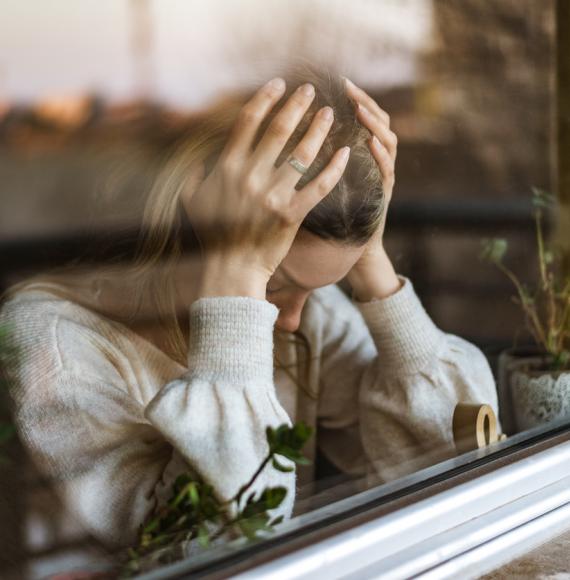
[247,212]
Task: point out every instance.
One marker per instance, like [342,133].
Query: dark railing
[413,219]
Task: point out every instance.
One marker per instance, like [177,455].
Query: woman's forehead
[313,262]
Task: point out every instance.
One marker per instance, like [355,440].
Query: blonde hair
[349,215]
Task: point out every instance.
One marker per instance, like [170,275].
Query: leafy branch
[546,307]
[194,512]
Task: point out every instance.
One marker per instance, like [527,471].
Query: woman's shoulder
[48,332]
[39,309]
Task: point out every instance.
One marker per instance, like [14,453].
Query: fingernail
[349,83]
[278,84]
[327,113]
[376,142]
[308,90]
[345,152]
[363,109]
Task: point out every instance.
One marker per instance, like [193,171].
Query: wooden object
[474,427]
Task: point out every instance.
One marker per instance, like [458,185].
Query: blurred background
[88,88]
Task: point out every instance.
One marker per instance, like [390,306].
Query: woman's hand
[247,211]
[373,276]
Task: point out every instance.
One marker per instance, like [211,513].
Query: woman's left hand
[373,276]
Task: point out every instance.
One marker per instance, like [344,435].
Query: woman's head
[310,264]
[351,212]
[332,234]
[344,220]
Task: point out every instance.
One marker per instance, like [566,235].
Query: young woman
[283,210]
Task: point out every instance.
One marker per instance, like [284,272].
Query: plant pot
[529,393]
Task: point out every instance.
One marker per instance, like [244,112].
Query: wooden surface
[549,561]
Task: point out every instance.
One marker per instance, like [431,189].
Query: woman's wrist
[224,278]
[376,280]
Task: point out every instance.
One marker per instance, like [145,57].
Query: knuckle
[393,138]
[289,219]
[303,153]
[273,205]
[385,154]
[248,115]
[298,100]
[285,216]
[323,186]
[279,128]
[229,165]
[250,185]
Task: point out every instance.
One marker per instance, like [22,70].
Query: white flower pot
[533,395]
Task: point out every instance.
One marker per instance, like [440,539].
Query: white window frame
[461,518]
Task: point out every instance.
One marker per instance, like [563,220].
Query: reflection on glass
[216,316]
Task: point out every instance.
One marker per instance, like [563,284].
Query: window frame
[468,514]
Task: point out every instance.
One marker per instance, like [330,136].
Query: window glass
[172,380]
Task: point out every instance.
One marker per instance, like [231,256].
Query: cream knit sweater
[113,420]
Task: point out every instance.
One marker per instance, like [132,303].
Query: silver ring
[296,164]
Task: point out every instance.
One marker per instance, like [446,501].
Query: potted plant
[534,382]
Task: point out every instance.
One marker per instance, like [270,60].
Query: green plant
[193,511]
[547,306]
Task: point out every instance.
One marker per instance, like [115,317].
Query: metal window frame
[466,530]
[460,518]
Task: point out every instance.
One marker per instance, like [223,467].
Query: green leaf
[276,521]
[562,360]
[542,198]
[548,257]
[281,467]
[290,437]
[273,497]
[271,436]
[203,536]
[194,495]
[493,250]
[251,526]
[151,526]
[526,296]
[180,482]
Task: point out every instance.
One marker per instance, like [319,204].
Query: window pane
[173,285]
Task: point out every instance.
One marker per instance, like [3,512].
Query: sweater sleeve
[111,452]
[401,379]
[216,415]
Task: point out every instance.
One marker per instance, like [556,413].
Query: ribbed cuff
[231,339]
[404,334]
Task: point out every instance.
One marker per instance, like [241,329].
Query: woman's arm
[112,440]
[391,378]
[408,396]
[399,374]
[216,416]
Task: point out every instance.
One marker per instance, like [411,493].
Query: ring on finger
[296,164]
